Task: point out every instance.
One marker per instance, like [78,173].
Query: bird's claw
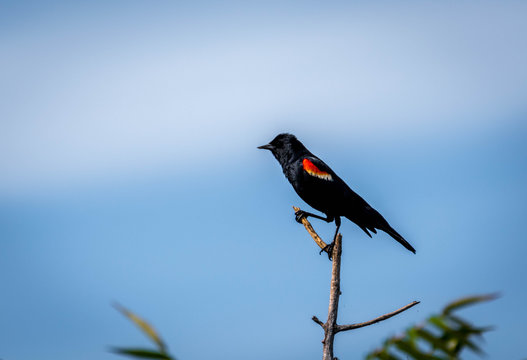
[299,215]
[329,249]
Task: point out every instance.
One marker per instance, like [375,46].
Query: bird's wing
[315,167]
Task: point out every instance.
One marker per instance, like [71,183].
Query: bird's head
[285,148]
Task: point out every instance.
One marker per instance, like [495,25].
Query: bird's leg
[329,248]
[304,214]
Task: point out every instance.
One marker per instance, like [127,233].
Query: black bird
[323,190]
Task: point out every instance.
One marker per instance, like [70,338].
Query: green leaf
[464,324]
[442,337]
[466,301]
[434,341]
[381,354]
[407,347]
[144,326]
[439,322]
[141,353]
[387,356]
[474,347]
[412,334]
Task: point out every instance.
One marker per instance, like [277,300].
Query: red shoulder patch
[313,170]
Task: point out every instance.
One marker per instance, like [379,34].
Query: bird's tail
[390,231]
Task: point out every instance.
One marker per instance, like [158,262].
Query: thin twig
[376,320]
[312,231]
[317,320]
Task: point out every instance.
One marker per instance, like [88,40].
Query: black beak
[266,147]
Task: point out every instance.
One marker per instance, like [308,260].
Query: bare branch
[330,326]
[376,320]
[311,231]
[317,320]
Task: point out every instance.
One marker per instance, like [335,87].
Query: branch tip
[317,320]
[377,319]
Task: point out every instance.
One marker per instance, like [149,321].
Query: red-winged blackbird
[322,189]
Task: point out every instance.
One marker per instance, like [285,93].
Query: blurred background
[129,171]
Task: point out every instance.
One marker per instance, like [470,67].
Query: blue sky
[128,136]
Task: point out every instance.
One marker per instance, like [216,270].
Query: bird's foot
[329,249]
[299,215]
